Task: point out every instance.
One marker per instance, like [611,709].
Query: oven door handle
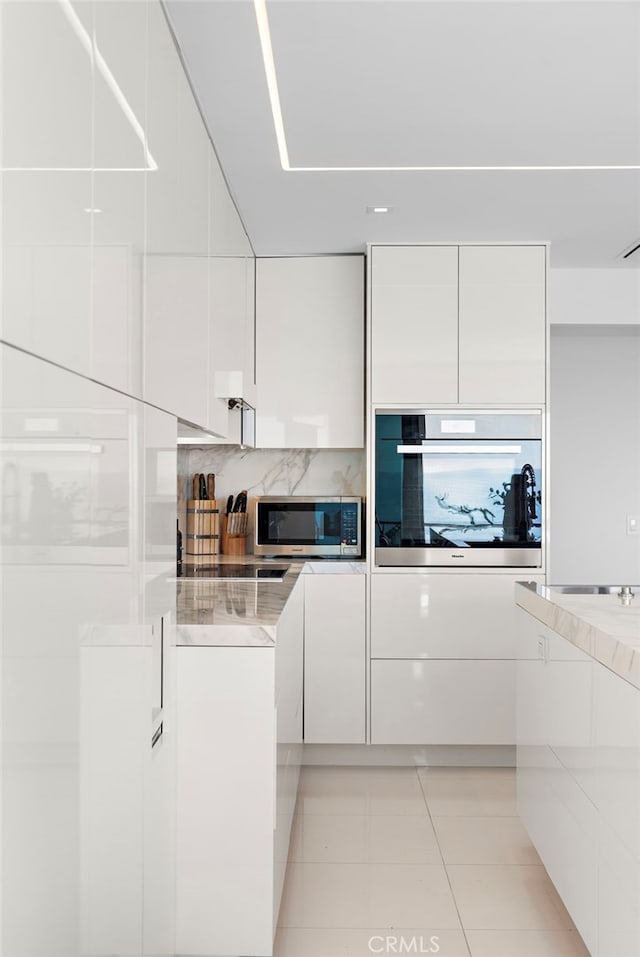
[446,449]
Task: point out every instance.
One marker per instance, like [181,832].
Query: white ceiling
[388,83]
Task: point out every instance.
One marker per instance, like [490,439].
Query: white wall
[588,296]
[595,454]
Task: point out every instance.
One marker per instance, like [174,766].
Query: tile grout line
[446,870]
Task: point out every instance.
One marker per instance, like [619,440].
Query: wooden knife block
[234,543]
[203,531]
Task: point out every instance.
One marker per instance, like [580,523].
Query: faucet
[529,475]
[625,594]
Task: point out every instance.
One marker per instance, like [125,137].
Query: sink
[591,589]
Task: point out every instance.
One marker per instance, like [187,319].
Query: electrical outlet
[633,525]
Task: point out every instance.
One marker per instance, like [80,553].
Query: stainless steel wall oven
[458,487]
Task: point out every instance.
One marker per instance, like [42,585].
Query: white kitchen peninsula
[578,694]
[239,719]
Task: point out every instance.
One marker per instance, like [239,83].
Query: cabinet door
[119,230]
[502,324]
[47,180]
[288,694]
[176,320]
[225,800]
[616,739]
[334,659]
[177,336]
[442,616]
[310,352]
[442,702]
[553,764]
[414,324]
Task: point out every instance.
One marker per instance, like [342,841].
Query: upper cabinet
[502,324]
[231,304]
[458,324]
[310,352]
[119,182]
[47,146]
[176,329]
[414,324]
[199,310]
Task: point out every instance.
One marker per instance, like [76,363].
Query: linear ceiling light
[260,7]
[264,32]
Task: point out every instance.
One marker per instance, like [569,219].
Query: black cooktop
[237,572]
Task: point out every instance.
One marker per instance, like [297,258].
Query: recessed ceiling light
[379,209]
[92,209]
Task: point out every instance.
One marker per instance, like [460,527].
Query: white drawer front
[442,702]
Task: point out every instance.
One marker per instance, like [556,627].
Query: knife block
[234,533]
[203,531]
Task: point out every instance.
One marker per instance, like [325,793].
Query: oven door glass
[455,493]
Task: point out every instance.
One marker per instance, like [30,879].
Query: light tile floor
[422,861]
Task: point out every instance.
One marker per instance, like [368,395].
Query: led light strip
[264,32]
[260,7]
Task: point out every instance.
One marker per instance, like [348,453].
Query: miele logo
[457,556]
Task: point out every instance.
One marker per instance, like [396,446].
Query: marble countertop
[600,625]
[242,613]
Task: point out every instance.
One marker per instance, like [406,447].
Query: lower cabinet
[334,659]
[553,692]
[578,781]
[442,702]
[239,713]
[443,659]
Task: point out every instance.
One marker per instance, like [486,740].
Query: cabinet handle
[157,736]
[543,648]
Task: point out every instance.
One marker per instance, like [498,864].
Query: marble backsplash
[270,472]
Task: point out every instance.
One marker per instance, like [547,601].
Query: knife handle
[203,487]
[196,487]
[211,485]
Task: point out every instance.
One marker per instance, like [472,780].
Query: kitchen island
[578,754]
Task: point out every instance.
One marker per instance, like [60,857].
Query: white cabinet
[442,650]
[86,554]
[118,240]
[47,182]
[502,324]
[442,615]
[579,783]
[442,702]
[554,689]
[414,324]
[310,352]
[231,307]
[177,336]
[616,792]
[458,324]
[176,320]
[239,713]
[334,659]
[289,655]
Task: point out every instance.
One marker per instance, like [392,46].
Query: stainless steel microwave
[313,525]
